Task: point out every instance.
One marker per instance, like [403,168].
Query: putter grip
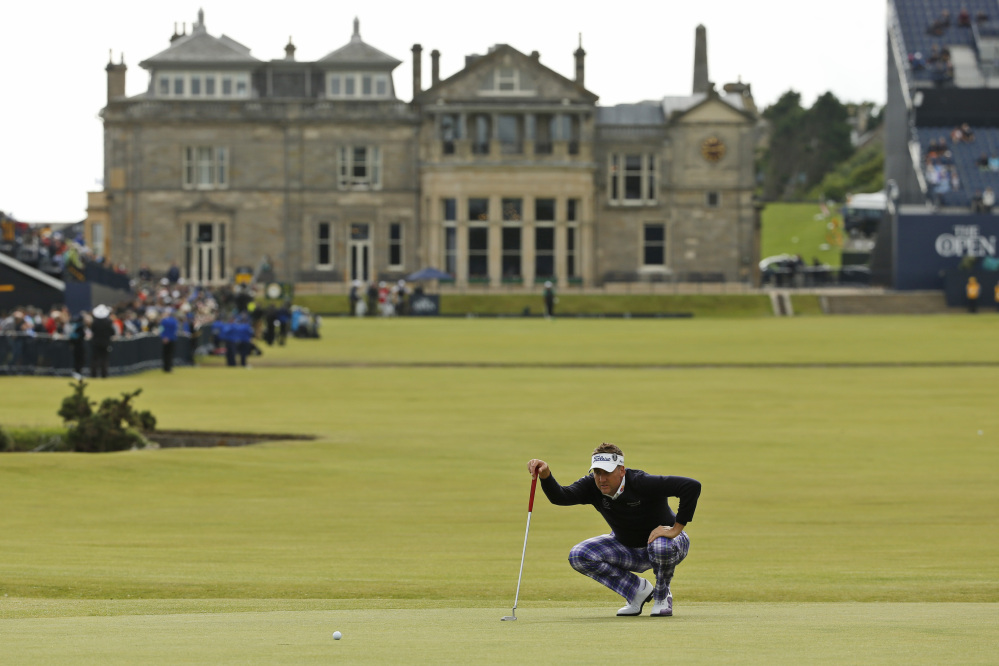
[534,485]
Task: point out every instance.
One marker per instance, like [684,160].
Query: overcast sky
[53,57]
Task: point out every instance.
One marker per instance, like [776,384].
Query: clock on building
[713,149]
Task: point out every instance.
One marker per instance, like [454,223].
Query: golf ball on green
[337,635]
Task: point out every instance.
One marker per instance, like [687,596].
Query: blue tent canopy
[428,274]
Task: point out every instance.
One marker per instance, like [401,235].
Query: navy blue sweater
[642,507]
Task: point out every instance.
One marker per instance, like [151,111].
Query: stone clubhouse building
[505,173]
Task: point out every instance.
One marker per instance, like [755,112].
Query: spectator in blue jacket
[242,331]
[227,335]
[168,333]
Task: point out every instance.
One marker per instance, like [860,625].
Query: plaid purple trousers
[608,561]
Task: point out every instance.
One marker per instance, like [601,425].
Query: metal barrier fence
[43,355]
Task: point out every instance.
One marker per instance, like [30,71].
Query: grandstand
[941,146]
[942,74]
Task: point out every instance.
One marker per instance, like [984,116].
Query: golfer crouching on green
[645,533]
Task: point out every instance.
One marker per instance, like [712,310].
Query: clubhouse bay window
[511,237]
[360,168]
[632,179]
[570,253]
[449,209]
[544,130]
[568,130]
[478,253]
[451,250]
[544,252]
[449,133]
[511,134]
[572,215]
[482,134]
[206,167]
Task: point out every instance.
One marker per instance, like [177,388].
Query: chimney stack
[417,69]
[435,67]
[580,57]
[116,78]
[701,83]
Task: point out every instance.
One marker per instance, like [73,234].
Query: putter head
[508,617]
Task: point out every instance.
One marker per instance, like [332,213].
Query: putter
[530,508]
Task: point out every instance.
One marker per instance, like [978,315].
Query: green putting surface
[379,632]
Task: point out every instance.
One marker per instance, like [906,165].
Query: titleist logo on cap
[606,461]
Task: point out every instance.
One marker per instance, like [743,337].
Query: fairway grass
[271,632]
[848,470]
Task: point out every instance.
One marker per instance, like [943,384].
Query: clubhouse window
[395,245]
[544,210]
[360,168]
[570,253]
[513,210]
[206,167]
[357,85]
[203,85]
[478,209]
[632,178]
[324,255]
[571,209]
[654,244]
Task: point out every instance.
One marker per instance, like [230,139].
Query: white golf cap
[606,461]
[102,311]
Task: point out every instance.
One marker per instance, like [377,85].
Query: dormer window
[201,85]
[358,85]
[507,79]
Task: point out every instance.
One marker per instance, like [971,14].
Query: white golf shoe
[663,608]
[642,597]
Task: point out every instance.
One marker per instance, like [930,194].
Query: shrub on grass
[115,426]
[20,439]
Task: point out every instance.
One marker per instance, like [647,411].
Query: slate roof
[642,113]
[201,48]
[359,53]
[671,105]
